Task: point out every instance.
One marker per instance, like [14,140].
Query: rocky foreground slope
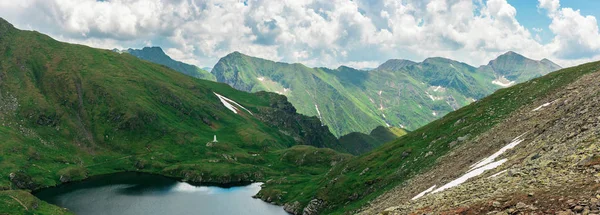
[553,169]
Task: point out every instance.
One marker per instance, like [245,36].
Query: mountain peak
[395,64]
[509,57]
[512,53]
[5,26]
[514,66]
[154,50]
[436,59]
[236,53]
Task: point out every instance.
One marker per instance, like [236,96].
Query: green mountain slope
[485,126]
[357,143]
[157,55]
[517,68]
[398,93]
[69,111]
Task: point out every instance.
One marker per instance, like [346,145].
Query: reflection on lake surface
[138,193]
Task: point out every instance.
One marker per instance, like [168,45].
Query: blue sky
[330,33]
[531,17]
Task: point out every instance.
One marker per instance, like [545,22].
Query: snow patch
[285,90]
[479,168]
[544,105]
[434,113]
[380,92]
[229,104]
[261,78]
[388,125]
[319,114]
[424,192]
[470,175]
[434,98]
[492,157]
[438,88]
[497,174]
[503,82]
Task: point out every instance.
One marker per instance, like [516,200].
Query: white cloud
[551,5]
[576,36]
[315,32]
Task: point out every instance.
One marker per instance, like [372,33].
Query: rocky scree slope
[395,165]
[399,93]
[554,170]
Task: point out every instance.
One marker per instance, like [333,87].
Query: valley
[505,137]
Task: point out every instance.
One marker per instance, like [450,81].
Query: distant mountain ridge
[157,55]
[354,146]
[398,93]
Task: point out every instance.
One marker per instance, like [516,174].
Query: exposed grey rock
[521,206]
[293,208]
[313,207]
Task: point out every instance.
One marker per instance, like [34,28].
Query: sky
[328,33]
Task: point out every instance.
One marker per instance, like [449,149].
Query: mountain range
[355,142]
[69,112]
[398,93]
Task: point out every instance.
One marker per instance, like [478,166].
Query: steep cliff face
[305,130]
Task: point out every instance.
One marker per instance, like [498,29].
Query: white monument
[211,144]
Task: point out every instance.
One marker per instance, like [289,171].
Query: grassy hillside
[353,183]
[157,55]
[69,111]
[358,143]
[398,93]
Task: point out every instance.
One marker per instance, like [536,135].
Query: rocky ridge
[555,170]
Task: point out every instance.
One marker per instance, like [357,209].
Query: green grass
[68,112]
[22,202]
[349,100]
[349,185]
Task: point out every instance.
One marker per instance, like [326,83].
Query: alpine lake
[140,193]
